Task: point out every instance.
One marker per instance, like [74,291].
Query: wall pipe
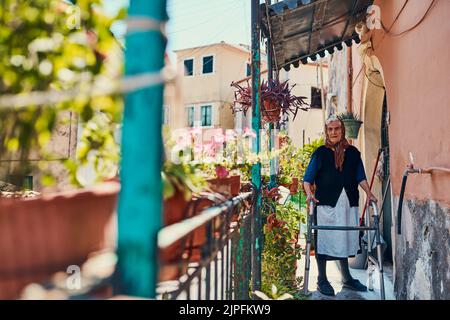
[410,169]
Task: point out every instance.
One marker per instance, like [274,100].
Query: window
[189,67]
[190,116]
[316,98]
[208,64]
[206,116]
[249,70]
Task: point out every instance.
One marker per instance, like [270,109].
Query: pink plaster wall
[416,68]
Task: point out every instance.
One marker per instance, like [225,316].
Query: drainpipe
[349,79]
[411,170]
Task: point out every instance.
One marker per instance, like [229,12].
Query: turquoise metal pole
[140,200]
[256,125]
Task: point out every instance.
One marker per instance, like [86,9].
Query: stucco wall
[304,77]
[414,70]
[416,75]
[61,146]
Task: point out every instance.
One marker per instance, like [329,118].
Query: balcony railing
[219,268]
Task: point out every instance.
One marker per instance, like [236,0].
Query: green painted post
[140,200]
[242,262]
[256,126]
[273,173]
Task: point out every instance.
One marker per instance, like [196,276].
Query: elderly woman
[336,169]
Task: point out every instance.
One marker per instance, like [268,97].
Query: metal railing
[220,267]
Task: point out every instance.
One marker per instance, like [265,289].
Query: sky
[194,23]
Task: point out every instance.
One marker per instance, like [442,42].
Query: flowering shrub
[281,250]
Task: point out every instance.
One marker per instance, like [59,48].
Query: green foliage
[281,250]
[305,154]
[273,295]
[183,177]
[347,115]
[51,45]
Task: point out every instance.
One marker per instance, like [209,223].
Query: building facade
[397,79]
[202,94]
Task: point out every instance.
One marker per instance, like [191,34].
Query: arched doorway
[386,209]
[375,137]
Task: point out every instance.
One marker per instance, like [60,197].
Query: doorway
[386,210]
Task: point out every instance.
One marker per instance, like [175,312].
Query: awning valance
[303,29]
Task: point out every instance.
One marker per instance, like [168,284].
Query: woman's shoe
[355,285]
[325,287]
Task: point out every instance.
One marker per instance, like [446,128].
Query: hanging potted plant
[276,100]
[352,124]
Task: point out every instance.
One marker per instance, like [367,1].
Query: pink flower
[219,138]
[195,131]
[249,133]
[221,172]
[198,148]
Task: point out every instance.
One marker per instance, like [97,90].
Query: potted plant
[43,234]
[44,56]
[276,100]
[352,124]
[182,183]
[281,249]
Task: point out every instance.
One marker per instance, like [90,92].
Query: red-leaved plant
[276,98]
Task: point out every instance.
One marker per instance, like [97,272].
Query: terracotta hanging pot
[271,111]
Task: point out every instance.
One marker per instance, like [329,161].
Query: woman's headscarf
[339,147]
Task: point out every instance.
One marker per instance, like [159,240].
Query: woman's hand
[309,194]
[310,197]
[371,198]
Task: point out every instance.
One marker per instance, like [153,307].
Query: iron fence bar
[216,269]
[175,232]
[249,277]
[222,250]
[199,285]
[225,243]
[202,265]
[208,264]
[341,228]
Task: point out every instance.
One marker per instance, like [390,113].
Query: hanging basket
[271,112]
[352,128]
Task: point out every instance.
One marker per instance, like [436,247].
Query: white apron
[336,243]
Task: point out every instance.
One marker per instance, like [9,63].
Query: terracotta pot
[198,238]
[294,186]
[39,237]
[221,186]
[228,187]
[271,112]
[175,210]
[235,182]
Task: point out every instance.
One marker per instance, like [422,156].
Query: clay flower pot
[271,111]
[175,209]
[228,187]
[41,236]
[293,187]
